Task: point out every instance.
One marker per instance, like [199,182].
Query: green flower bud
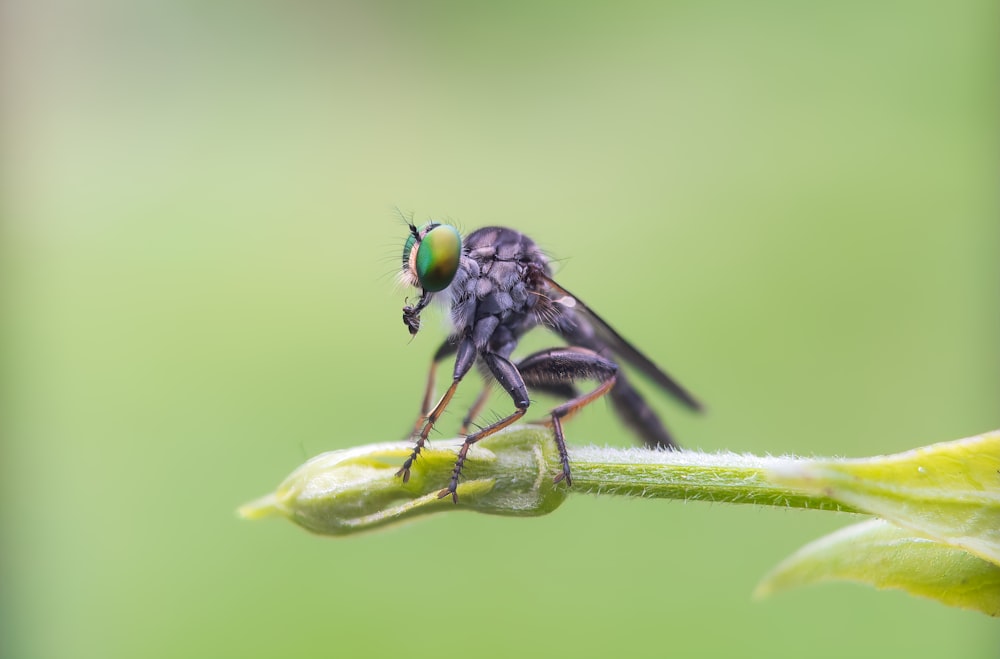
[356,489]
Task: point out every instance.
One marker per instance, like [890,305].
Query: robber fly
[499,286]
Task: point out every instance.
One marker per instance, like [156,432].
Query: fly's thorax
[503,244]
[497,278]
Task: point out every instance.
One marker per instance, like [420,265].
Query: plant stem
[689,475]
[511,473]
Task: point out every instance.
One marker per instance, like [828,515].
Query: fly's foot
[564,459]
[563,476]
[404,471]
[563,454]
[452,488]
[449,490]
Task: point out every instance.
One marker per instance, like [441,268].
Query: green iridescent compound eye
[438,254]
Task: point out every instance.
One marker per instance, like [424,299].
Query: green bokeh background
[791,206]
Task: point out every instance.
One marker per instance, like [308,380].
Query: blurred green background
[791,206]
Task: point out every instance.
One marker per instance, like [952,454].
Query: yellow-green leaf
[883,555]
[949,492]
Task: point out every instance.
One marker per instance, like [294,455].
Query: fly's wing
[608,336]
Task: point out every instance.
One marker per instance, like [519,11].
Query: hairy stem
[688,475]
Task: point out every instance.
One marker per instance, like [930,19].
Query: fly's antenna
[406,219]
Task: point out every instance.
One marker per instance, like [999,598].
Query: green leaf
[948,492]
[883,555]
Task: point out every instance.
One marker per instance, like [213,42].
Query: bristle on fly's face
[406,278]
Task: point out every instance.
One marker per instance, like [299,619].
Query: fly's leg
[558,367]
[425,404]
[428,423]
[476,408]
[463,362]
[567,410]
[447,349]
[561,390]
[510,379]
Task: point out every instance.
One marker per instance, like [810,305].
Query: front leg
[463,362]
[447,349]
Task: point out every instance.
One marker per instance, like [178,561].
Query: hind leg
[556,370]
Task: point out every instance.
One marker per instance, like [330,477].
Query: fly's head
[431,257]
